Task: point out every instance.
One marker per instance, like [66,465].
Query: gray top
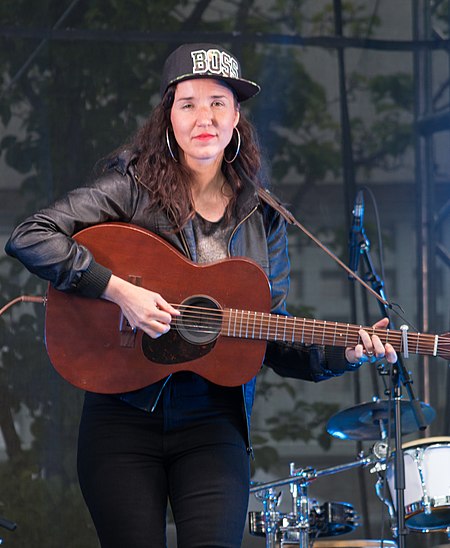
[212,238]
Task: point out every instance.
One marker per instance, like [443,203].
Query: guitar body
[91,346]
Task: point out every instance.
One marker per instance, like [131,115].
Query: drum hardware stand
[300,502]
[298,483]
[270,500]
[399,530]
[299,480]
[400,375]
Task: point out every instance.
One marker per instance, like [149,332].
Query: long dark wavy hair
[169,182]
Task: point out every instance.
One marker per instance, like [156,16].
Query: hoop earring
[169,147]
[238,148]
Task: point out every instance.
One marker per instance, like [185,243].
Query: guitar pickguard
[171,348]
[192,335]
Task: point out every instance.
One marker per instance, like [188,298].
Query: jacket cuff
[292,360]
[308,362]
[93,281]
[337,362]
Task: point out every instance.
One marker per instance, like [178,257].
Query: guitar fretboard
[274,327]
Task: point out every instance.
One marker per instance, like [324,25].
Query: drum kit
[426,493]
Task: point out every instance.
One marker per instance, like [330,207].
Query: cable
[23,299]
[379,238]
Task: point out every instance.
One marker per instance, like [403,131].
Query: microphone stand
[400,375]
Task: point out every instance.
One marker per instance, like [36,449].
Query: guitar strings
[266,319]
[308,336]
[339,337]
[211,320]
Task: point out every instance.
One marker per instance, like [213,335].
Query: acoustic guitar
[222,331]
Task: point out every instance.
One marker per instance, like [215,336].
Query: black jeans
[190,451]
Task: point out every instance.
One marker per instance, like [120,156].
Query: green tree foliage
[381,139]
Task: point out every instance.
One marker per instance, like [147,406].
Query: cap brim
[244,89]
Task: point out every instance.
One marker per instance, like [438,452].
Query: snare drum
[326,520]
[332,518]
[286,526]
[427,484]
[257,524]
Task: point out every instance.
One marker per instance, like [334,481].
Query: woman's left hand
[371,348]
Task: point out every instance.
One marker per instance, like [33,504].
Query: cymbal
[366,420]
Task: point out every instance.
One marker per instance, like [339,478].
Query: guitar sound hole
[200,321]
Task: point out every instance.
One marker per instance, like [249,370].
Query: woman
[191,176]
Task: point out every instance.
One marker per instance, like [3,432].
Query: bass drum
[427,484]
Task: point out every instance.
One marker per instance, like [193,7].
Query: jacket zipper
[159,393]
[247,425]
[185,245]
[188,253]
[237,226]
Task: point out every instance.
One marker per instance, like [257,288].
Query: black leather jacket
[44,245]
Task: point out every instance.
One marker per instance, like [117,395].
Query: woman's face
[203,116]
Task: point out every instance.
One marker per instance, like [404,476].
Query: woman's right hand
[144,309]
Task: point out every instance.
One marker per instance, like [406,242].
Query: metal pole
[349,193]
[423,178]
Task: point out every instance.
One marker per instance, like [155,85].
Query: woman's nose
[204,116]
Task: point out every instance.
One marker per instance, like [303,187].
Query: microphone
[355,230]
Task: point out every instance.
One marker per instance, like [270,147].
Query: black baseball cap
[206,61]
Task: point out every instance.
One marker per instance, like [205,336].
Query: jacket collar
[248,196]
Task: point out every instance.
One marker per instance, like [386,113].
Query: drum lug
[427,504]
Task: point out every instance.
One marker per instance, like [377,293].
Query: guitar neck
[275,327]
